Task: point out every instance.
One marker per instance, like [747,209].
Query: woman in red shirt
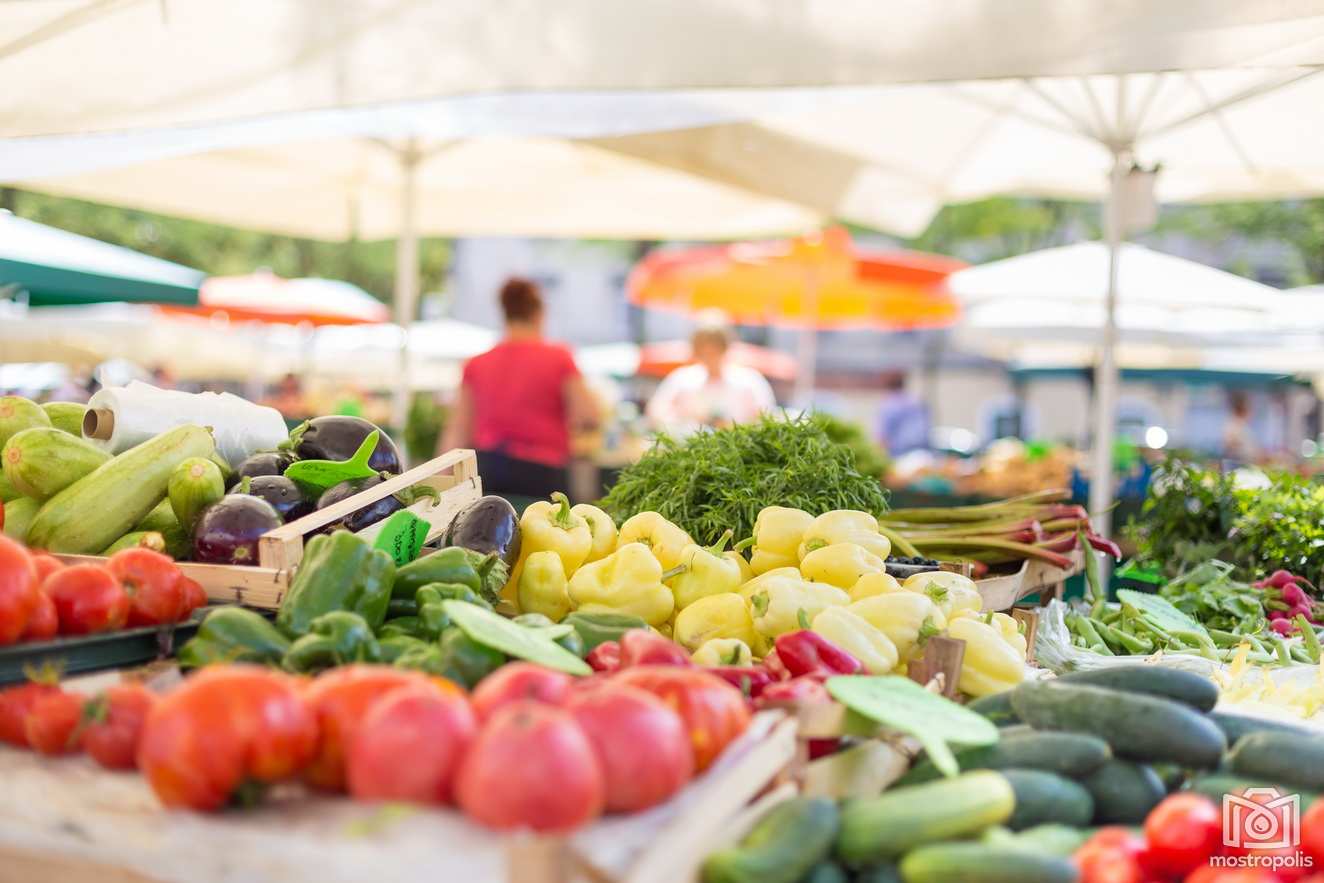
[519,401]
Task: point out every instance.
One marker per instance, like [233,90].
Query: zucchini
[66,416]
[1280,757]
[144,539]
[18,517]
[1136,726]
[94,511]
[782,847]
[1123,792]
[884,872]
[18,414]
[1067,754]
[886,826]
[1234,726]
[1043,797]
[996,708]
[160,519]
[43,461]
[194,485]
[980,863]
[1155,680]
[1216,785]
[826,872]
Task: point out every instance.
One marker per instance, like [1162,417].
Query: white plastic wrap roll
[120,417]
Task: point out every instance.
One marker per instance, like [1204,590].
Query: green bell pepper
[465,661]
[233,634]
[335,638]
[574,642]
[395,646]
[401,607]
[339,571]
[432,616]
[599,628]
[452,565]
[402,626]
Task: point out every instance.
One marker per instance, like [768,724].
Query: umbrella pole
[807,346]
[1105,378]
[406,277]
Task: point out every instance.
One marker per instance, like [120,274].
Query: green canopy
[58,268]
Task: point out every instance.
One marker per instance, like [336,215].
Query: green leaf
[317,476]
[901,704]
[495,631]
[1160,611]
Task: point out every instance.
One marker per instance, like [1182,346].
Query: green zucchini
[1216,785]
[1067,754]
[1136,726]
[1234,726]
[979,863]
[783,846]
[160,519]
[996,708]
[1043,797]
[826,872]
[43,461]
[886,826]
[194,485]
[66,416]
[137,539]
[18,517]
[884,872]
[18,414]
[1280,757]
[94,511]
[1155,680]
[1123,792]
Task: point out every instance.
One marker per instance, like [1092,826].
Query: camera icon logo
[1262,818]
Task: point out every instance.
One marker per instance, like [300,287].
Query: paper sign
[402,537]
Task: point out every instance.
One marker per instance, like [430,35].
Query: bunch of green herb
[719,479]
[1281,526]
[1211,595]
[1186,518]
[870,458]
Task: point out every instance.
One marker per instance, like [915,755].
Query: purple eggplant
[228,530]
[488,524]
[361,518]
[283,495]
[338,437]
[264,463]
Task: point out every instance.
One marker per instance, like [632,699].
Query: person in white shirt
[712,392]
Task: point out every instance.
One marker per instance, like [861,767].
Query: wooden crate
[454,475]
[1002,592]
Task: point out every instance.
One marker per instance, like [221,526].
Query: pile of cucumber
[1090,748]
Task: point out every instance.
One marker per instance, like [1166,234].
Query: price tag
[402,536]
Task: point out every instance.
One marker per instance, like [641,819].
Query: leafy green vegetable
[1210,594]
[495,631]
[719,479]
[1159,611]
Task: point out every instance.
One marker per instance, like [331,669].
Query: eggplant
[228,530]
[264,463]
[338,438]
[488,524]
[283,495]
[370,514]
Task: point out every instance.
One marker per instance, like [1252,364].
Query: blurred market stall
[266,297]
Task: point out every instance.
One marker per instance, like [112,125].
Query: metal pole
[1106,378]
[406,276]
[807,345]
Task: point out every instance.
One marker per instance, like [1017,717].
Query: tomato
[222,728]
[1182,831]
[15,703]
[1111,855]
[520,680]
[641,745]
[339,699]
[713,711]
[195,595]
[44,622]
[533,767]
[88,598]
[114,724]
[1312,832]
[45,564]
[153,583]
[409,745]
[51,725]
[18,590]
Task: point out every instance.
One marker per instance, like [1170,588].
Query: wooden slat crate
[1002,592]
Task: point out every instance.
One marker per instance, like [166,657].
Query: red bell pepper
[773,663]
[605,657]
[642,647]
[809,653]
[751,680]
[806,689]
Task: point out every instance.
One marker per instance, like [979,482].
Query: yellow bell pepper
[713,616]
[706,571]
[751,586]
[854,634]
[542,586]
[909,619]
[1010,630]
[845,526]
[950,591]
[602,528]
[871,584]
[742,563]
[666,540]
[778,531]
[787,603]
[717,652]
[628,580]
[840,565]
[991,665]
[550,526]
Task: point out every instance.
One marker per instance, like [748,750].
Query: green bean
[1284,655]
[1132,645]
[1225,639]
[1092,636]
[1308,637]
[1302,655]
[1101,649]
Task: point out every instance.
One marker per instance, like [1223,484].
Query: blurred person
[711,392]
[519,403]
[1239,442]
[903,420]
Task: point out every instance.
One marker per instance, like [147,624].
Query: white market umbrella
[369,355]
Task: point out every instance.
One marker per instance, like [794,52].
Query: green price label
[402,536]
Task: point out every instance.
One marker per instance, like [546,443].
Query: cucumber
[1280,757]
[1136,726]
[66,416]
[18,414]
[1234,726]
[1123,792]
[886,826]
[1052,839]
[980,863]
[194,485]
[43,461]
[784,845]
[94,511]
[1043,797]
[826,872]
[18,517]
[1155,680]
[1216,785]
[1067,754]
[146,539]
[996,708]
[7,491]
[886,872]
[1171,775]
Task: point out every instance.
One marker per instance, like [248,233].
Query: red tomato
[641,745]
[1182,831]
[88,598]
[531,767]
[15,703]
[46,565]
[1230,875]
[520,680]
[52,724]
[713,711]
[18,590]
[339,699]
[152,582]
[115,722]
[1111,855]
[1312,832]
[409,745]
[195,595]
[44,622]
